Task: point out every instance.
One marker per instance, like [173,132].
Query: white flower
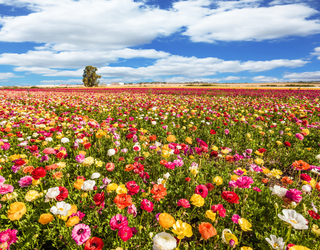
[295,219]
[111,152]
[95,176]
[157,144]
[153,122]
[279,191]
[52,193]
[20,139]
[276,243]
[88,185]
[306,188]
[318,158]
[62,208]
[223,235]
[49,139]
[164,241]
[65,140]
[166,176]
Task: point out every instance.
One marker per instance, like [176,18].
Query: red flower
[212,132]
[87,146]
[19,162]
[94,243]
[132,187]
[262,150]
[209,186]
[33,148]
[230,197]
[98,198]
[214,153]
[63,194]
[287,144]
[121,159]
[314,215]
[305,177]
[188,179]
[38,173]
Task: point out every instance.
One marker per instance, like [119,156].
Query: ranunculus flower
[166,220]
[207,230]
[6,188]
[184,203]
[125,233]
[74,220]
[147,205]
[132,210]
[202,190]
[164,241]
[197,200]
[123,201]
[110,166]
[38,173]
[230,197]
[81,233]
[132,187]
[118,221]
[25,181]
[98,198]
[294,195]
[46,218]
[16,211]
[94,243]
[63,194]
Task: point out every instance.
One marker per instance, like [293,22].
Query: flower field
[159,169]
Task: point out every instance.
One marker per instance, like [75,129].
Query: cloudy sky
[51,41]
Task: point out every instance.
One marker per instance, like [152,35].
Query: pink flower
[80,158]
[202,190]
[299,136]
[125,233]
[226,131]
[6,188]
[235,218]
[5,146]
[132,187]
[219,208]
[248,151]
[8,236]
[170,165]
[256,189]
[81,233]
[136,148]
[49,151]
[232,184]
[25,181]
[238,172]
[147,205]
[118,221]
[184,203]
[2,180]
[294,195]
[132,210]
[244,182]
[79,214]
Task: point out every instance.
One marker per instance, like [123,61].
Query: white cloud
[316,52]
[265,79]
[255,24]
[304,76]
[7,75]
[62,81]
[232,78]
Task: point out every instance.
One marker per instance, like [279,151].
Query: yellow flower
[61,164]
[211,215]
[225,151]
[72,221]
[259,161]
[84,195]
[112,187]
[188,140]
[234,177]
[218,180]
[182,229]
[165,154]
[197,200]
[16,211]
[230,236]
[245,225]
[9,196]
[88,161]
[248,135]
[121,189]
[299,248]
[146,154]
[279,143]
[214,148]
[289,134]
[276,173]
[78,184]
[31,195]
[316,229]
[46,218]
[258,153]
[166,220]
[100,134]
[246,248]
[305,131]
[191,157]
[35,182]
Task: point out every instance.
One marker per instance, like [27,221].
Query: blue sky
[51,42]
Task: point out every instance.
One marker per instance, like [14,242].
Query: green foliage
[90,78]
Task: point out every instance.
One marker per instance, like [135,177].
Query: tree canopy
[90,78]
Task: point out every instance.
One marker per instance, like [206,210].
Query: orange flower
[78,184]
[163,162]
[166,220]
[129,167]
[286,181]
[318,186]
[171,138]
[300,165]
[51,167]
[229,158]
[264,180]
[159,192]
[123,200]
[28,169]
[207,230]
[7,130]
[57,175]
[153,138]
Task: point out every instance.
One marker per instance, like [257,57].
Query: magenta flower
[248,151]
[49,151]
[5,146]
[256,189]
[125,233]
[133,187]
[81,233]
[226,131]
[118,221]
[25,181]
[202,190]
[8,236]
[170,165]
[294,195]
[184,203]
[6,188]
[79,214]
[244,182]
[147,205]
[235,218]
[80,158]
[2,180]
[299,136]
[232,184]
[219,208]
[132,210]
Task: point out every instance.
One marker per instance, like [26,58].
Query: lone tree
[90,78]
